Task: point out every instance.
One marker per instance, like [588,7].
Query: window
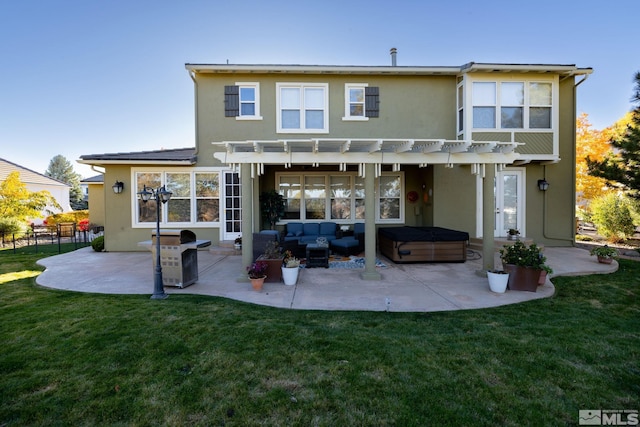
[512,105]
[179,207]
[207,197]
[339,197]
[242,101]
[390,191]
[315,197]
[540,105]
[522,105]
[484,105]
[302,108]
[361,101]
[195,197]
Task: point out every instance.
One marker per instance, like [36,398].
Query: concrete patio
[403,288]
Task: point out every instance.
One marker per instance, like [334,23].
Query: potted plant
[513,234]
[524,264]
[257,273]
[272,206]
[604,253]
[237,243]
[498,280]
[272,256]
[290,268]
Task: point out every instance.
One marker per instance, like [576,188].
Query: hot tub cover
[423,234]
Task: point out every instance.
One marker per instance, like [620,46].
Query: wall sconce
[118,187]
[543,185]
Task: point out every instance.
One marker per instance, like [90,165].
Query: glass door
[232,208]
[509,202]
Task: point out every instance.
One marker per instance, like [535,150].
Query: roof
[570,69]
[97,179]
[27,176]
[177,156]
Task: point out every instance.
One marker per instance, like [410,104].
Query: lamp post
[160,194]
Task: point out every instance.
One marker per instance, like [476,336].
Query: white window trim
[302,86]
[555,114]
[347,104]
[353,219]
[256,87]
[400,197]
[163,222]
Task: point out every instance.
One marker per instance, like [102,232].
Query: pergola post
[370,272]
[488,217]
[247,219]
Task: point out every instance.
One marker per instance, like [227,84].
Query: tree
[62,170]
[621,167]
[16,201]
[594,144]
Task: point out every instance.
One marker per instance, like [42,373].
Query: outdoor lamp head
[164,194]
[543,185]
[145,194]
[118,187]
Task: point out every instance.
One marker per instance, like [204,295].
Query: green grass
[84,359]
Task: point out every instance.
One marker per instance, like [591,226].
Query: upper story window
[302,107]
[512,105]
[242,101]
[360,101]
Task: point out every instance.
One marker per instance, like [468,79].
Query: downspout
[195,102]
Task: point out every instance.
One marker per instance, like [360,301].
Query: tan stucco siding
[454,198]
[96,204]
[410,107]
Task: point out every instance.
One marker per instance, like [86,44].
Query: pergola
[369,154]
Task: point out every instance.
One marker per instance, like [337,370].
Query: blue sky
[86,77]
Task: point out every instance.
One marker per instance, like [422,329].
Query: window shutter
[231,101]
[372,101]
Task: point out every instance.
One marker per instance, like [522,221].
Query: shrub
[73,216]
[11,226]
[98,244]
[612,217]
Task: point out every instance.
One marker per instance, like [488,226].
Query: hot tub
[423,244]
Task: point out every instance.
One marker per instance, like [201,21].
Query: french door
[232,206]
[509,209]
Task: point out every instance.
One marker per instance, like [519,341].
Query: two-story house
[465,147]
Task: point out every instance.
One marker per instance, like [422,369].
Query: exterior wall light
[543,185]
[118,187]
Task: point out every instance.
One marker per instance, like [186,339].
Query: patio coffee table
[317,256]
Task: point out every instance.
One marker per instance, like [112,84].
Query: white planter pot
[290,275]
[498,282]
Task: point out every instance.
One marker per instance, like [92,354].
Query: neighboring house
[93,192]
[34,182]
[383,145]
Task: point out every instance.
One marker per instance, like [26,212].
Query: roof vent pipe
[393,52]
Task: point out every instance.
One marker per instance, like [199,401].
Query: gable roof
[177,156]
[27,176]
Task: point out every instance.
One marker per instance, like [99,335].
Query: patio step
[475,243]
[225,247]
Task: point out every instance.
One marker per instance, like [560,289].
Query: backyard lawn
[86,359]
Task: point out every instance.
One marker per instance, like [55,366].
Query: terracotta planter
[522,278]
[604,260]
[256,284]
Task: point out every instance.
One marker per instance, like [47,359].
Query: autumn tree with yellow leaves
[18,204]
